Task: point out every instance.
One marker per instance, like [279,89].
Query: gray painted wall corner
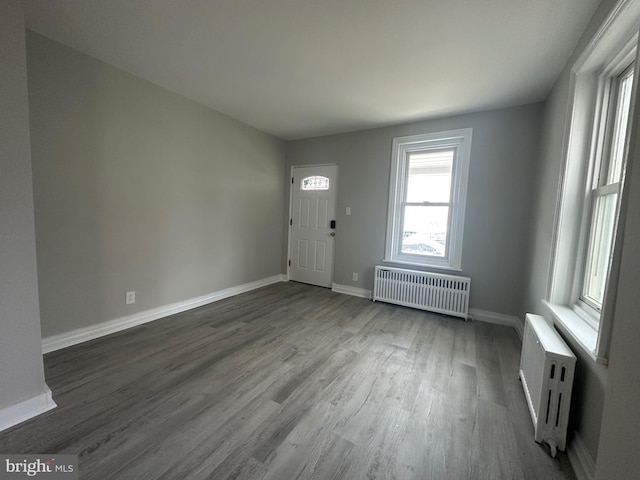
[21,374]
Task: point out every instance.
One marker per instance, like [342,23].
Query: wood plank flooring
[293,382]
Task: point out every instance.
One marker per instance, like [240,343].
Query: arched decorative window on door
[315,183]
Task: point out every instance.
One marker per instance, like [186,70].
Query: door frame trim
[290,217]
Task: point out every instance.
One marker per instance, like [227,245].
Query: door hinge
[289,262]
[291,221]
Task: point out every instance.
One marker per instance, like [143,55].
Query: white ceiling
[302,68]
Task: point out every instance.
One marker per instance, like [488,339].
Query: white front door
[313,209]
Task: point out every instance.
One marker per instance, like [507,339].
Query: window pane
[314,183]
[429,178]
[425,230]
[620,128]
[600,242]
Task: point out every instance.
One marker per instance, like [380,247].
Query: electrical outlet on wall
[354,277]
[131,298]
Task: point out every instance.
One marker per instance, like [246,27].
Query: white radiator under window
[547,368]
[435,292]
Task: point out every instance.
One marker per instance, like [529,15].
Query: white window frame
[612,49]
[597,187]
[403,147]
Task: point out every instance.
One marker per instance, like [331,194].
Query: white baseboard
[580,459]
[353,291]
[73,337]
[499,319]
[23,411]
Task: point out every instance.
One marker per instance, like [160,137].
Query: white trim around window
[443,157]
[595,81]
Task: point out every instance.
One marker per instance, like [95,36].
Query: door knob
[333,234]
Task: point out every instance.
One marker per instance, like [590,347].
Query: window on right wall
[582,286]
[604,193]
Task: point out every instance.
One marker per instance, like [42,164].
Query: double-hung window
[427,199]
[604,194]
[581,292]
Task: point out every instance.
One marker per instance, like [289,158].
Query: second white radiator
[547,368]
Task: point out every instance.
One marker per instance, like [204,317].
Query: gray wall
[504,151]
[137,188]
[21,371]
[590,387]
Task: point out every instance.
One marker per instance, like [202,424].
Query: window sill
[429,266]
[571,324]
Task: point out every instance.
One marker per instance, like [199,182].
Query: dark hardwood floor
[293,381]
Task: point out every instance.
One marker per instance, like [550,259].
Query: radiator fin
[447,294]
